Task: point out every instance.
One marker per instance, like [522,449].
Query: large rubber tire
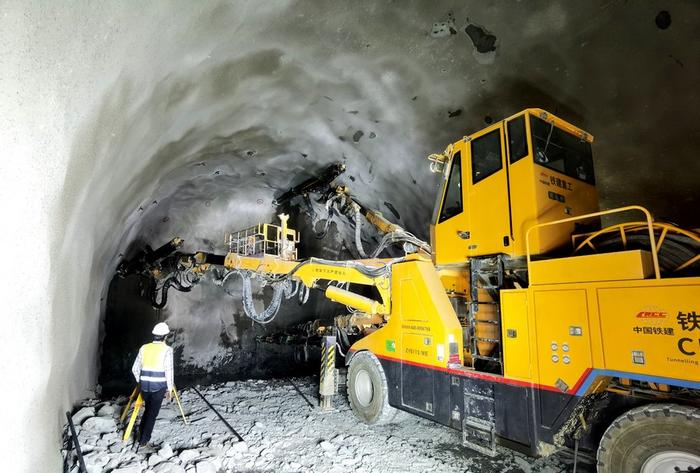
[652,438]
[368,390]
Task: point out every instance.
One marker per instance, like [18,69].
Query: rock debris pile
[281,434]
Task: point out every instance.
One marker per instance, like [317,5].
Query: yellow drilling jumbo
[526,321]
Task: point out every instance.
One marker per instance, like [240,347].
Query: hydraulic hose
[397,236]
[163,293]
[284,285]
[329,214]
[173,280]
[401,237]
[358,233]
[280,289]
[303,294]
[369,271]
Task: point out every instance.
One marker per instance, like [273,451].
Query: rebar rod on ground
[240,439]
[301,394]
[76,443]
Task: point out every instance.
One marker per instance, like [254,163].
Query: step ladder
[479,419]
[485,273]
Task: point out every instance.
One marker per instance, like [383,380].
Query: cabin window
[517,140]
[561,151]
[452,204]
[486,155]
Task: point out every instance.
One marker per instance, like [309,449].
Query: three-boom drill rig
[523,323]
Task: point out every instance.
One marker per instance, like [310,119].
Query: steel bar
[301,394]
[240,439]
[76,443]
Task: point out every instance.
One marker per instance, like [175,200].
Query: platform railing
[649,223]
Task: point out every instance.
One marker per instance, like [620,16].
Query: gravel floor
[282,433]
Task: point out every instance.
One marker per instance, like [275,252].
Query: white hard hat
[161,329]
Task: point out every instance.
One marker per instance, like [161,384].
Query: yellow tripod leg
[137,408]
[177,398]
[128,404]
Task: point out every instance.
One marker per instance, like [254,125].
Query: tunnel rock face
[208,149]
[187,120]
[261,100]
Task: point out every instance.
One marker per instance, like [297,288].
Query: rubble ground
[281,433]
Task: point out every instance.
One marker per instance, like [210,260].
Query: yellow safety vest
[153,367]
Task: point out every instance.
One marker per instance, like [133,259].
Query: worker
[153,370]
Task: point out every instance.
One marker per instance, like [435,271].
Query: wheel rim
[364,391]
[672,461]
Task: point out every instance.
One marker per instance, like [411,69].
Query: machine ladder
[479,420]
[488,274]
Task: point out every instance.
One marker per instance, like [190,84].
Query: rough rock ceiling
[223,105]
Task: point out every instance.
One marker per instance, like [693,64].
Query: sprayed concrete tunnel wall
[124,123]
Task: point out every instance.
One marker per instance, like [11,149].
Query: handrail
[634,226]
[649,224]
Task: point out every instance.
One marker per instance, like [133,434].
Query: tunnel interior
[187,121]
[206,148]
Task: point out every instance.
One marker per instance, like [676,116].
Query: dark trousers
[153,400]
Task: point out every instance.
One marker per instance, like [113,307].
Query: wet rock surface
[283,434]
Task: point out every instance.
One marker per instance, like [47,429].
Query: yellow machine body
[313,270]
[562,336]
[557,336]
[618,266]
[461,345]
[579,316]
[422,327]
[351,299]
[492,192]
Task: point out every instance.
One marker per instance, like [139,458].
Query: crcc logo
[645,314]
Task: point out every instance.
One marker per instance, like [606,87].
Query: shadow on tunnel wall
[254,353]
